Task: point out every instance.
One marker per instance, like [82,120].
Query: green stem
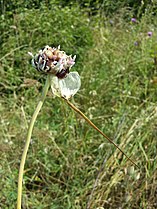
[30,129]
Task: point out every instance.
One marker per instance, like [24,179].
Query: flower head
[150,33]
[53,61]
[57,64]
[133,20]
[136,43]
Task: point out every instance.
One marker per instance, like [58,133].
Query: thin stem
[96,128]
[28,139]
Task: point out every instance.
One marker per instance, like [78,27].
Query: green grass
[69,165]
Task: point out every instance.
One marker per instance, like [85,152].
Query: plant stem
[96,128]
[28,139]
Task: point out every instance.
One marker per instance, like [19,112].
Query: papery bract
[66,87]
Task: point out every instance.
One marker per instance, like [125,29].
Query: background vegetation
[69,165]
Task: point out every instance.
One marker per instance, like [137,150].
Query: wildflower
[111,22]
[150,33]
[57,64]
[136,43]
[53,61]
[133,20]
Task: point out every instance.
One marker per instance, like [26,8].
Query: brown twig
[97,129]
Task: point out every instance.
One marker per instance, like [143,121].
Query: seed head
[51,60]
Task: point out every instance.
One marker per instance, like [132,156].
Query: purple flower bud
[136,43]
[133,20]
[150,33]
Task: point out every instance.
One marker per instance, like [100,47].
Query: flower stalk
[28,139]
[56,64]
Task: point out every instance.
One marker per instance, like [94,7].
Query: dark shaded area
[92,7]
